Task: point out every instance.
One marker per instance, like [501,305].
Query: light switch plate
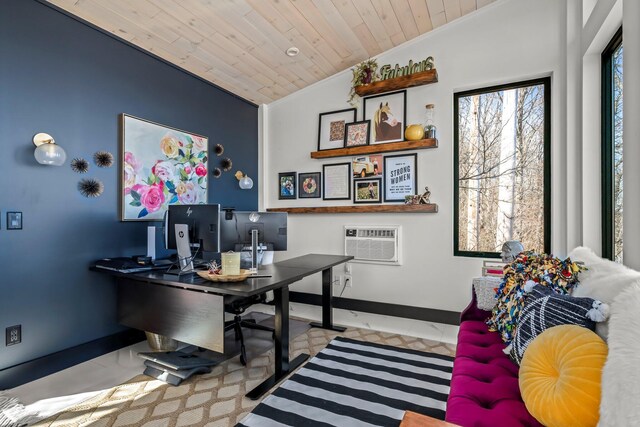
[14,220]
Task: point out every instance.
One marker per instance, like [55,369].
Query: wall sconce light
[47,152]
[245,182]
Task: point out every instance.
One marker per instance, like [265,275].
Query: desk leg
[327,304]
[282,364]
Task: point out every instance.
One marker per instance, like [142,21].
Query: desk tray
[228,278]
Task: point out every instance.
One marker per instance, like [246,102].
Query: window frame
[546,82]
[607,115]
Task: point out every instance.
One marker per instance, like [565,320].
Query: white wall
[507,41]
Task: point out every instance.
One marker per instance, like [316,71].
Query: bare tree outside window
[501,173]
[617,153]
[612,148]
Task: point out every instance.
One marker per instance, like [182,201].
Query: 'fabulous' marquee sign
[386,72]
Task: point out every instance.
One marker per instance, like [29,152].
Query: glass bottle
[429,126]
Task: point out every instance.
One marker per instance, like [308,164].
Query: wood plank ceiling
[240,44]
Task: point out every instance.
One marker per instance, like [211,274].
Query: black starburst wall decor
[79,165]
[103,159]
[90,187]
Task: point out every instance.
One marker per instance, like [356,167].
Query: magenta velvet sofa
[484,384]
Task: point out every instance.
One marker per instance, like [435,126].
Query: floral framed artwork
[357,133]
[287,182]
[309,185]
[367,190]
[159,166]
[336,184]
[331,128]
[388,115]
[400,177]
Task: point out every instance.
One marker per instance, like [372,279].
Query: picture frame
[400,176]
[309,185]
[159,166]
[388,115]
[367,165]
[368,190]
[336,181]
[357,134]
[287,185]
[331,128]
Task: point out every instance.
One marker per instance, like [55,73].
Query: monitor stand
[184,249]
[255,273]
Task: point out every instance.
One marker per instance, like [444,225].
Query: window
[612,149]
[502,170]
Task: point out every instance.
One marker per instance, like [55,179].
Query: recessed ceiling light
[292,51]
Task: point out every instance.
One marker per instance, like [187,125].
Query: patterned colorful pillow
[545,309]
[529,266]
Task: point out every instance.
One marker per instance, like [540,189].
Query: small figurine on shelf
[424,198]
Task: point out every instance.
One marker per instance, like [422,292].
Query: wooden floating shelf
[429,208]
[377,148]
[388,85]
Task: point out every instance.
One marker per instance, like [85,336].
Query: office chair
[237,307]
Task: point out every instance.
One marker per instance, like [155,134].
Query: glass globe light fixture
[47,152]
[244,181]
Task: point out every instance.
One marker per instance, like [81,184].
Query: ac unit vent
[373,244]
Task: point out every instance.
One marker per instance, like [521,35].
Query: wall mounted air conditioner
[374,244]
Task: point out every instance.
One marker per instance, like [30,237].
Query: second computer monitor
[235,232]
[202,221]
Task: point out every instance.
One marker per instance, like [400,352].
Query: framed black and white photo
[388,115]
[309,185]
[400,176]
[367,190]
[336,184]
[357,133]
[287,185]
[331,128]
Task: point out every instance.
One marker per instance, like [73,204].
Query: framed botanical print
[287,182]
[309,185]
[331,128]
[159,166]
[336,181]
[400,177]
[388,115]
[357,133]
[367,190]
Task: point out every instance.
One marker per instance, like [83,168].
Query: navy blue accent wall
[62,77]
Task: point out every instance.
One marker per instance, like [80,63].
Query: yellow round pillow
[560,376]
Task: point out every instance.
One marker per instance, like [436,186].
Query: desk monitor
[235,233]
[203,223]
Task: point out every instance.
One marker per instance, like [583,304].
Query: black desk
[169,292]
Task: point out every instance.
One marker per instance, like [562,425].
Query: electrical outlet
[348,279]
[338,280]
[13,335]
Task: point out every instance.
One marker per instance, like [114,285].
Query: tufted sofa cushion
[484,384]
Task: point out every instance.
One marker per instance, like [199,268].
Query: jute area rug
[211,400]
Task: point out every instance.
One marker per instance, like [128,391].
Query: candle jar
[429,126]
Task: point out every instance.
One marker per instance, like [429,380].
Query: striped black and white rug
[355,383]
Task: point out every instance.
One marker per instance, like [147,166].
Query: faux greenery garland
[363,73]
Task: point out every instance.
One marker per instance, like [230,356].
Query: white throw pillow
[621,374]
[603,280]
